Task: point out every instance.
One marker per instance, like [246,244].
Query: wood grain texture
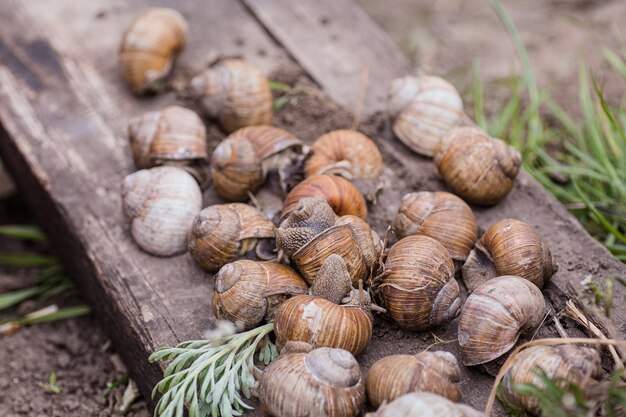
[335,41]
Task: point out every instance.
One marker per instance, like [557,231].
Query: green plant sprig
[210,376]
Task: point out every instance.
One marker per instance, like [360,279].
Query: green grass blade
[61,314]
[23,232]
[26,259]
[15,297]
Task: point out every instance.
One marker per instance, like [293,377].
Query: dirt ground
[437,35]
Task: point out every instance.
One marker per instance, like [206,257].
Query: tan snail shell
[423,109]
[562,363]
[509,247]
[478,168]
[221,233]
[440,215]
[149,45]
[424,404]
[495,315]
[323,382]
[340,194]
[418,285]
[248,292]
[161,204]
[241,162]
[235,93]
[396,375]
[171,135]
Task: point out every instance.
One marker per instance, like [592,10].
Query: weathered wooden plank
[335,41]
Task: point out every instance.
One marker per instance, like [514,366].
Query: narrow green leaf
[23,232]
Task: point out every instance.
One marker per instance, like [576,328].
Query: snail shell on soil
[248,292]
[441,216]
[224,232]
[242,161]
[509,247]
[423,109]
[396,375]
[478,168]
[418,285]
[172,135]
[424,404]
[563,363]
[161,204]
[340,194]
[235,93]
[323,382]
[495,315]
[149,45]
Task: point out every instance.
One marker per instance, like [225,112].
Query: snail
[424,404]
[242,161]
[247,292]
[441,216]
[340,194]
[495,315]
[478,168]
[224,232]
[312,232]
[396,375]
[562,363]
[306,322]
[349,154]
[323,382]
[149,46]
[418,286]
[423,109]
[171,136]
[235,93]
[161,204]
[509,247]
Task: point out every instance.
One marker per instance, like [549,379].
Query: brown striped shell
[149,46]
[396,375]
[222,233]
[440,215]
[562,363]
[316,322]
[340,194]
[418,286]
[324,382]
[241,162]
[171,135]
[478,168]
[235,93]
[247,292]
[424,404]
[495,315]
[509,247]
[423,109]
[161,204]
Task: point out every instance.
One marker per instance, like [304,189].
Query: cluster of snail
[321,305]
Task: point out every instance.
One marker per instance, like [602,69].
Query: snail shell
[149,45]
[323,382]
[418,285]
[248,292]
[241,162]
[423,109]
[161,204]
[172,135]
[396,375]
[235,93]
[224,232]
[509,247]
[316,322]
[340,194]
[495,315]
[563,363]
[478,168]
[441,216]
[424,404]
